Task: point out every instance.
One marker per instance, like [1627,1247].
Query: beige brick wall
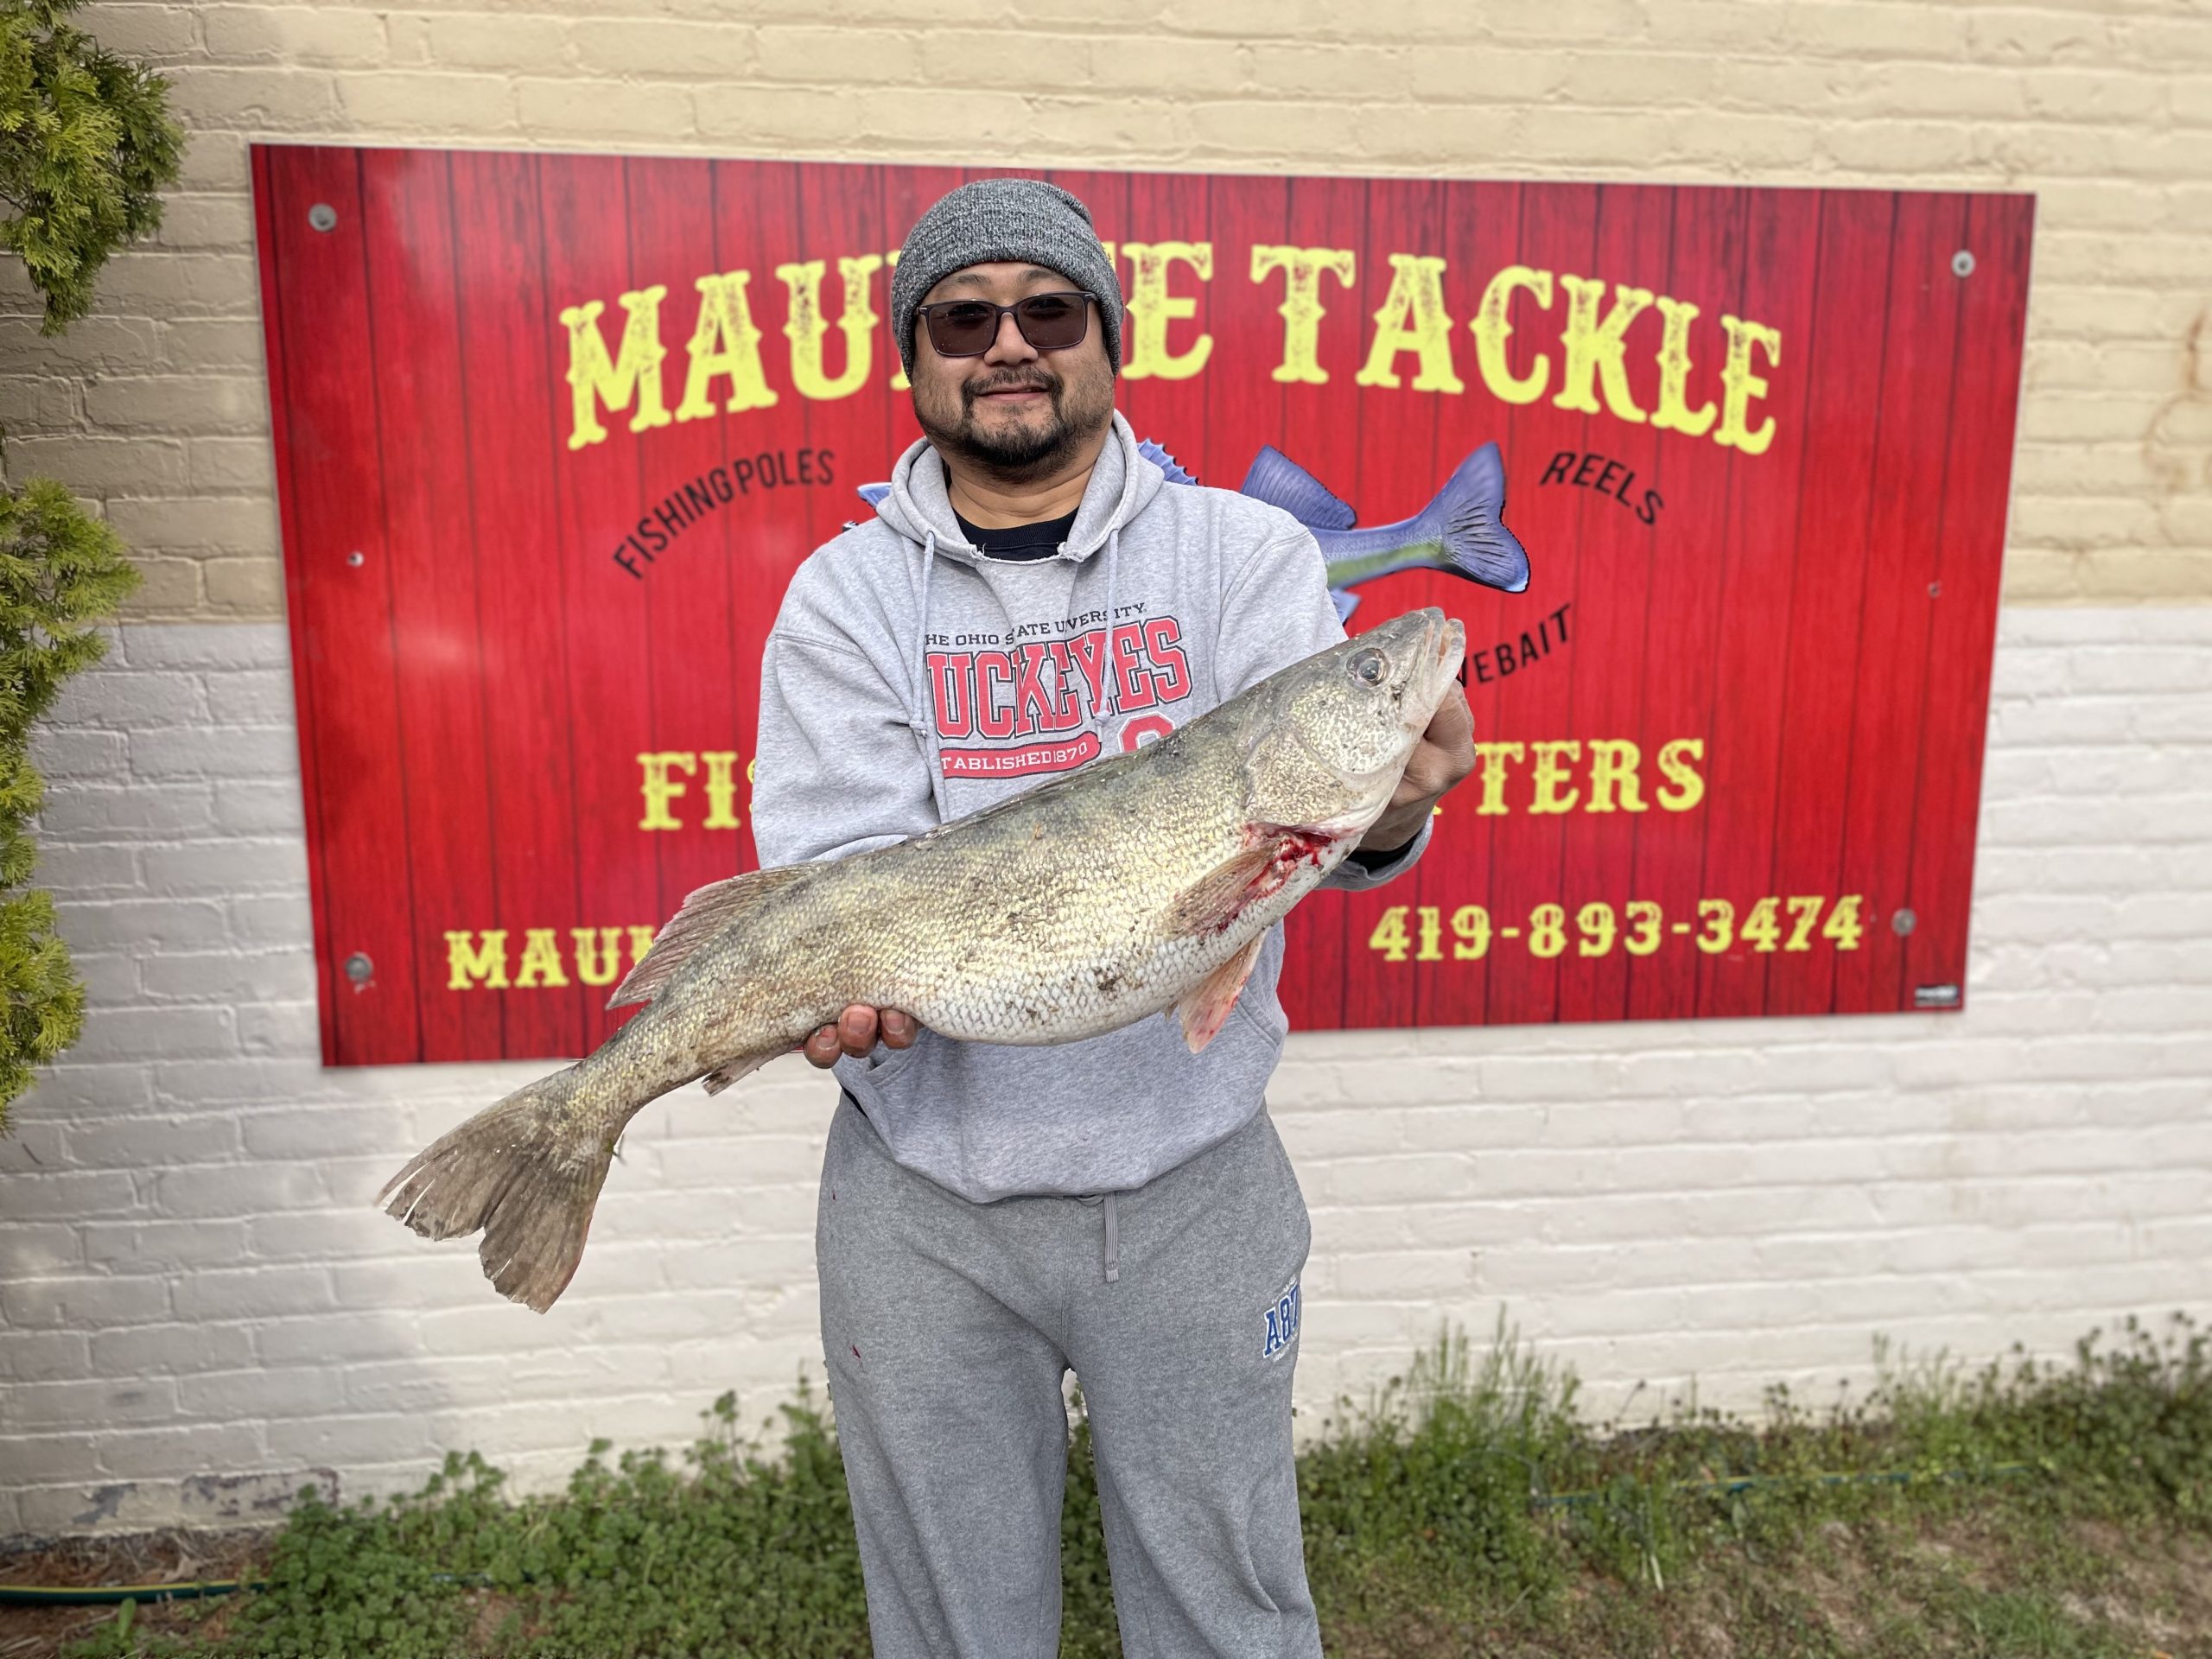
[156,408]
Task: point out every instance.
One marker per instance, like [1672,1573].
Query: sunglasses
[1049,322]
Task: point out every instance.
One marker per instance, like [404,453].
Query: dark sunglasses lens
[1052,322]
[963,329]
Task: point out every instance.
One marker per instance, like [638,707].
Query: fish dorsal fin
[1206,1007]
[1280,482]
[704,913]
[1166,463]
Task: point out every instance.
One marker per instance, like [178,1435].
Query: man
[992,1217]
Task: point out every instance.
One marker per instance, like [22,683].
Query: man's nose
[1010,346]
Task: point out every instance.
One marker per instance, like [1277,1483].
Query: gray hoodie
[911,680]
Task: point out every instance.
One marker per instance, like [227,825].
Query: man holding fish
[993,1216]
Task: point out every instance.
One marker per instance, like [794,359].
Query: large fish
[1460,532]
[1135,886]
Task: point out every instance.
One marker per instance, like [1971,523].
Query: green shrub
[60,571]
[86,142]
[85,145]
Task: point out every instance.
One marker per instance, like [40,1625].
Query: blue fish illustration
[1461,532]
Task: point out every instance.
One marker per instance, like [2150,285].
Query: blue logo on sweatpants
[1282,1322]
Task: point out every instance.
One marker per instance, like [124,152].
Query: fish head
[1332,734]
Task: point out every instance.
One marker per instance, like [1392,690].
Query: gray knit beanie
[1003,219]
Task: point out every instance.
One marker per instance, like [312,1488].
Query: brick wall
[2102,107]
[191,1280]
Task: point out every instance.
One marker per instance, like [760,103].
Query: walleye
[1461,531]
[1133,886]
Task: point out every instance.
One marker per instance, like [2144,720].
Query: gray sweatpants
[948,1327]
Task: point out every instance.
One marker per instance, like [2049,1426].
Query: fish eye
[1368,667]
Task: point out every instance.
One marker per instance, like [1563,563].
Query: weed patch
[2027,1509]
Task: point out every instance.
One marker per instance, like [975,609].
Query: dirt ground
[1853,1593]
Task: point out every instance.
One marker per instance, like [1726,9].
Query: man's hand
[856,1031]
[1444,755]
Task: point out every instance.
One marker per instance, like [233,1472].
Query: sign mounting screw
[360,970]
[354,558]
[1903,923]
[322,217]
[1962,263]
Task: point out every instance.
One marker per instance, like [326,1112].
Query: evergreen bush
[85,143]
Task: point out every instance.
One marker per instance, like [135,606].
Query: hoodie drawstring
[925,721]
[1113,1241]
[1110,689]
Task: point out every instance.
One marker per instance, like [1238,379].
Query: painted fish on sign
[1460,532]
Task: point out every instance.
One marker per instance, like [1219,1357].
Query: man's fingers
[1453,722]
[856,1029]
[822,1048]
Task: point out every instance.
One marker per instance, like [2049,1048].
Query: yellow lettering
[1596,349]
[1674,413]
[1493,326]
[1613,761]
[1492,759]
[724,342]
[541,961]
[1687,786]
[721,788]
[1152,307]
[467,959]
[633,372]
[1412,319]
[660,788]
[599,953]
[1549,774]
[1738,385]
[805,325]
[898,381]
[1302,308]
[641,940]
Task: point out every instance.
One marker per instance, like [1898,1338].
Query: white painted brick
[208,868]
[80,1303]
[156,1034]
[30,1405]
[140,924]
[233,752]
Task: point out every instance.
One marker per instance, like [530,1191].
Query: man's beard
[1029,450]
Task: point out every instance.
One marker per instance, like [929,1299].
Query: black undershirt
[1043,540]
[1019,542]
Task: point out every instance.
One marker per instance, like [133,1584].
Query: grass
[2024,1509]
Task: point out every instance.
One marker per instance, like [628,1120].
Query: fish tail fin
[519,1171]
[1468,516]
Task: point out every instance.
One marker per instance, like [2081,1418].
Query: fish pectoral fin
[736,1071]
[1206,1007]
[1219,897]
[703,913]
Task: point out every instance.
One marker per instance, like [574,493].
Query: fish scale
[1133,886]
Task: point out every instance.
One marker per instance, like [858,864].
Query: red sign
[553,431]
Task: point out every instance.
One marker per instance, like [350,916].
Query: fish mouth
[1435,663]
